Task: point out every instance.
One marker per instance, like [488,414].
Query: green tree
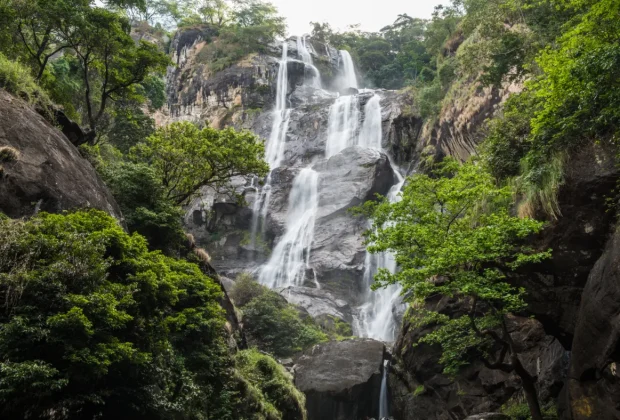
[112,65]
[94,325]
[186,158]
[453,236]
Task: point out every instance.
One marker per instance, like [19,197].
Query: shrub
[8,154]
[17,79]
[272,324]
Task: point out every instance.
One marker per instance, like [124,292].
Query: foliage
[452,235]
[520,411]
[139,193]
[94,324]
[276,396]
[270,323]
[244,27]
[186,158]
[15,78]
[419,390]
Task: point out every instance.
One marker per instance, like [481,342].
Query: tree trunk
[531,396]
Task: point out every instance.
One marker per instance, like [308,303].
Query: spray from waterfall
[275,145]
[290,259]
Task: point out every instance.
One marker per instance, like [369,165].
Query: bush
[17,79]
[270,323]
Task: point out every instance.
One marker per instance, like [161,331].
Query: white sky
[371,14]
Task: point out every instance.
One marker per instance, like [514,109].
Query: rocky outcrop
[421,391]
[319,304]
[49,174]
[593,390]
[341,379]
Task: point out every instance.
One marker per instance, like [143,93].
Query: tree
[187,158]
[112,65]
[93,325]
[453,235]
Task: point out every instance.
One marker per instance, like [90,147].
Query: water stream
[383,395]
[290,258]
[274,151]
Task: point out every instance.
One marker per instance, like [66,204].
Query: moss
[8,154]
[420,389]
[518,410]
[269,387]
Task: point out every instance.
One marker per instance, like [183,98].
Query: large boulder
[347,179]
[341,379]
[49,174]
[593,390]
[317,302]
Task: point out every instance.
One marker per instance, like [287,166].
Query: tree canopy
[186,158]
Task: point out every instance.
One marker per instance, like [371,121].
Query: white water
[349,78]
[275,145]
[306,57]
[372,131]
[375,318]
[383,396]
[290,258]
[344,121]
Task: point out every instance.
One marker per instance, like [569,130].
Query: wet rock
[488,416]
[419,388]
[50,174]
[317,302]
[593,390]
[341,379]
[347,179]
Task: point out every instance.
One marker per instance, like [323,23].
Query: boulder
[347,179]
[488,416]
[341,379]
[317,302]
[593,390]
[50,174]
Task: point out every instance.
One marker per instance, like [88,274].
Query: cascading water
[290,258]
[372,131]
[383,396]
[344,121]
[349,78]
[375,319]
[306,57]
[275,145]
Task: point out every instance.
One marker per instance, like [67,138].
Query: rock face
[476,389]
[488,416]
[49,175]
[593,390]
[341,379]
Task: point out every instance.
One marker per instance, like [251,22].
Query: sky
[371,14]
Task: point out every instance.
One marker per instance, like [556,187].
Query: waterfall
[306,57]
[290,258]
[275,145]
[343,126]
[375,319]
[372,131]
[383,396]
[349,76]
